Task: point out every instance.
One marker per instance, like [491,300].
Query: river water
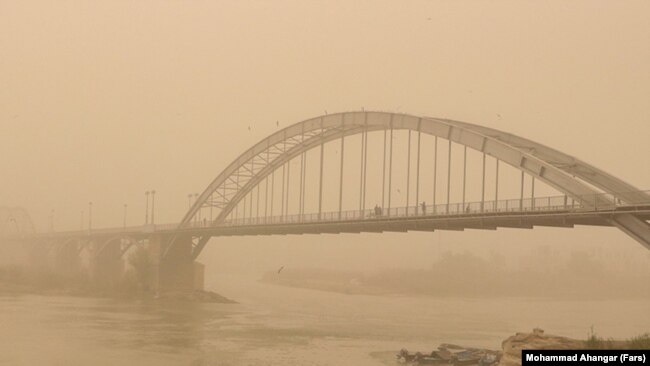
[275,325]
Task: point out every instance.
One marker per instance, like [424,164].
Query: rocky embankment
[510,354]
[513,345]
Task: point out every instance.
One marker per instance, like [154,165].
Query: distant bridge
[246,198]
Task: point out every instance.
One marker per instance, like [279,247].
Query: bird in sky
[280,270]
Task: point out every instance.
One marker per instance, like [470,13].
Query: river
[275,325]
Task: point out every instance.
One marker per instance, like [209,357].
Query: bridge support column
[176,271]
[106,266]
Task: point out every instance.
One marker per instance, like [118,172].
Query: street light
[90,215]
[189,201]
[52,220]
[146,210]
[125,206]
[153,200]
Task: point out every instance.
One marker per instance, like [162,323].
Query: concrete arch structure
[125,241]
[582,182]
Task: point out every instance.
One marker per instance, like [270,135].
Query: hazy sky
[102,100]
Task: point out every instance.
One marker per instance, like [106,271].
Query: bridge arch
[125,241]
[576,179]
[15,220]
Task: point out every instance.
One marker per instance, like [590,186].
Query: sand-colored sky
[102,100]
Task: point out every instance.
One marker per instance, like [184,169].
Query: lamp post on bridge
[90,215]
[146,210]
[125,206]
[153,201]
[52,220]
[189,201]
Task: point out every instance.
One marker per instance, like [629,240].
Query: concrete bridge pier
[176,270]
[106,265]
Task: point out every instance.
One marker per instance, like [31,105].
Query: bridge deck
[557,211]
[487,221]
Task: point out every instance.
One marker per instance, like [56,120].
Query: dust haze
[103,101]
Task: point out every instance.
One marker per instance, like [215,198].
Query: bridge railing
[637,200]
[592,202]
[122,231]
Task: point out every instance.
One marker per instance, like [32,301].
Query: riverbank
[470,277]
[511,349]
[537,339]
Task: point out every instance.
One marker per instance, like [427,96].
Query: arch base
[106,267]
[176,271]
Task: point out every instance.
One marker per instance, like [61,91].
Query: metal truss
[573,177]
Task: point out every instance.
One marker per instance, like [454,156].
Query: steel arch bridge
[583,188]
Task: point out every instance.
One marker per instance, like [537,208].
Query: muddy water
[283,326]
